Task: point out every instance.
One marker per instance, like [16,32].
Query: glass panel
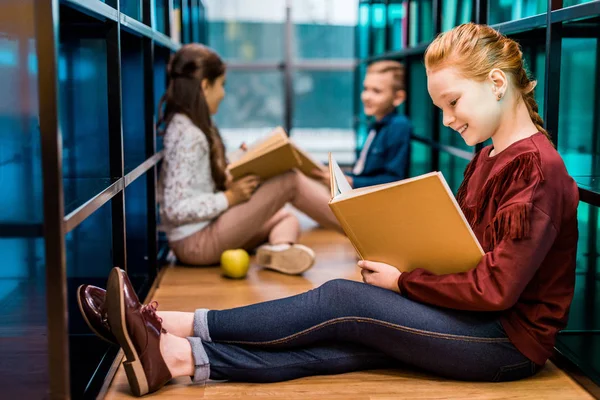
[161,58]
[421,32]
[420,105]
[324,29]
[195,16]
[136,212]
[569,3]
[160,7]
[455,12]
[420,158]
[248,31]
[202,23]
[247,41]
[453,169]
[132,89]
[577,113]
[323,113]
[397,21]
[89,260]
[131,8]
[252,106]
[23,326]
[20,157]
[176,27]
[84,118]
[324,41]
[378,20]
[363,31]
[509,10]
[363,121]
[535,63]
[578,340]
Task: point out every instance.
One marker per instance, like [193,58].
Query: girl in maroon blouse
[497,322]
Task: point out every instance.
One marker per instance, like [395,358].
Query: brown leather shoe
[138,331]
[91,304]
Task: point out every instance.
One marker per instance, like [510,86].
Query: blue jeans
[345,326]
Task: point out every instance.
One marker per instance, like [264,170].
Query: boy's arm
[395,167]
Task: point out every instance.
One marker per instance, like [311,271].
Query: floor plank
[185,289]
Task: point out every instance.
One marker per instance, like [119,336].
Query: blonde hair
[395,67]
[477,49]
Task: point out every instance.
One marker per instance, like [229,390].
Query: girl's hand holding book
[241,190]
[380,274]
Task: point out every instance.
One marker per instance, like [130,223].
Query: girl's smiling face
[469,107]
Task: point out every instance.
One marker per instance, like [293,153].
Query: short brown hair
[395,67]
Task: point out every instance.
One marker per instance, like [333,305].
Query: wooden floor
[185,289]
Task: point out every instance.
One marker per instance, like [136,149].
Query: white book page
[341,183]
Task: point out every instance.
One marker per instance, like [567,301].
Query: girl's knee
[339,287]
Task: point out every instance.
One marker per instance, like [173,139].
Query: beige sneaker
[292,259]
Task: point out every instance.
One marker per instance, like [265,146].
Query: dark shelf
[585,10]
[142,168]
[84,196]
[102,12]
[94,8]
[521,25]
[134,26]
[165,41]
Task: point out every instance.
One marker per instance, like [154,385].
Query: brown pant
[261,218]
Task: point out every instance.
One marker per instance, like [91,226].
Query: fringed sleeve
[511,222]
[521,167]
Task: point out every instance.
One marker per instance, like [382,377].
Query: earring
[499,96]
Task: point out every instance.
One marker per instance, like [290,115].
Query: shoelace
[151,308]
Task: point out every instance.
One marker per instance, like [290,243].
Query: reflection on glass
[132,89]
[421,32]
[378,21]
[397,22]
[584,309]
[252,106]
[161,57]
[247,41]
[504,10]
[324,41]
[159,13]
[323,108]
[363,31]
[569,3]
[418,99]
[576,112]
[420,158]
[455,12]
[136,214]
[131,8]
[84,117]
[20,157]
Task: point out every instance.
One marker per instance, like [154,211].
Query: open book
[271,156]
[413,223]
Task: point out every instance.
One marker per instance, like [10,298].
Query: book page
[341,183]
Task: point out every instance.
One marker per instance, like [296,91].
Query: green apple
[235,263]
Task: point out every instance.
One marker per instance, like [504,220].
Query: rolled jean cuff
[201,365]
[201,324]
